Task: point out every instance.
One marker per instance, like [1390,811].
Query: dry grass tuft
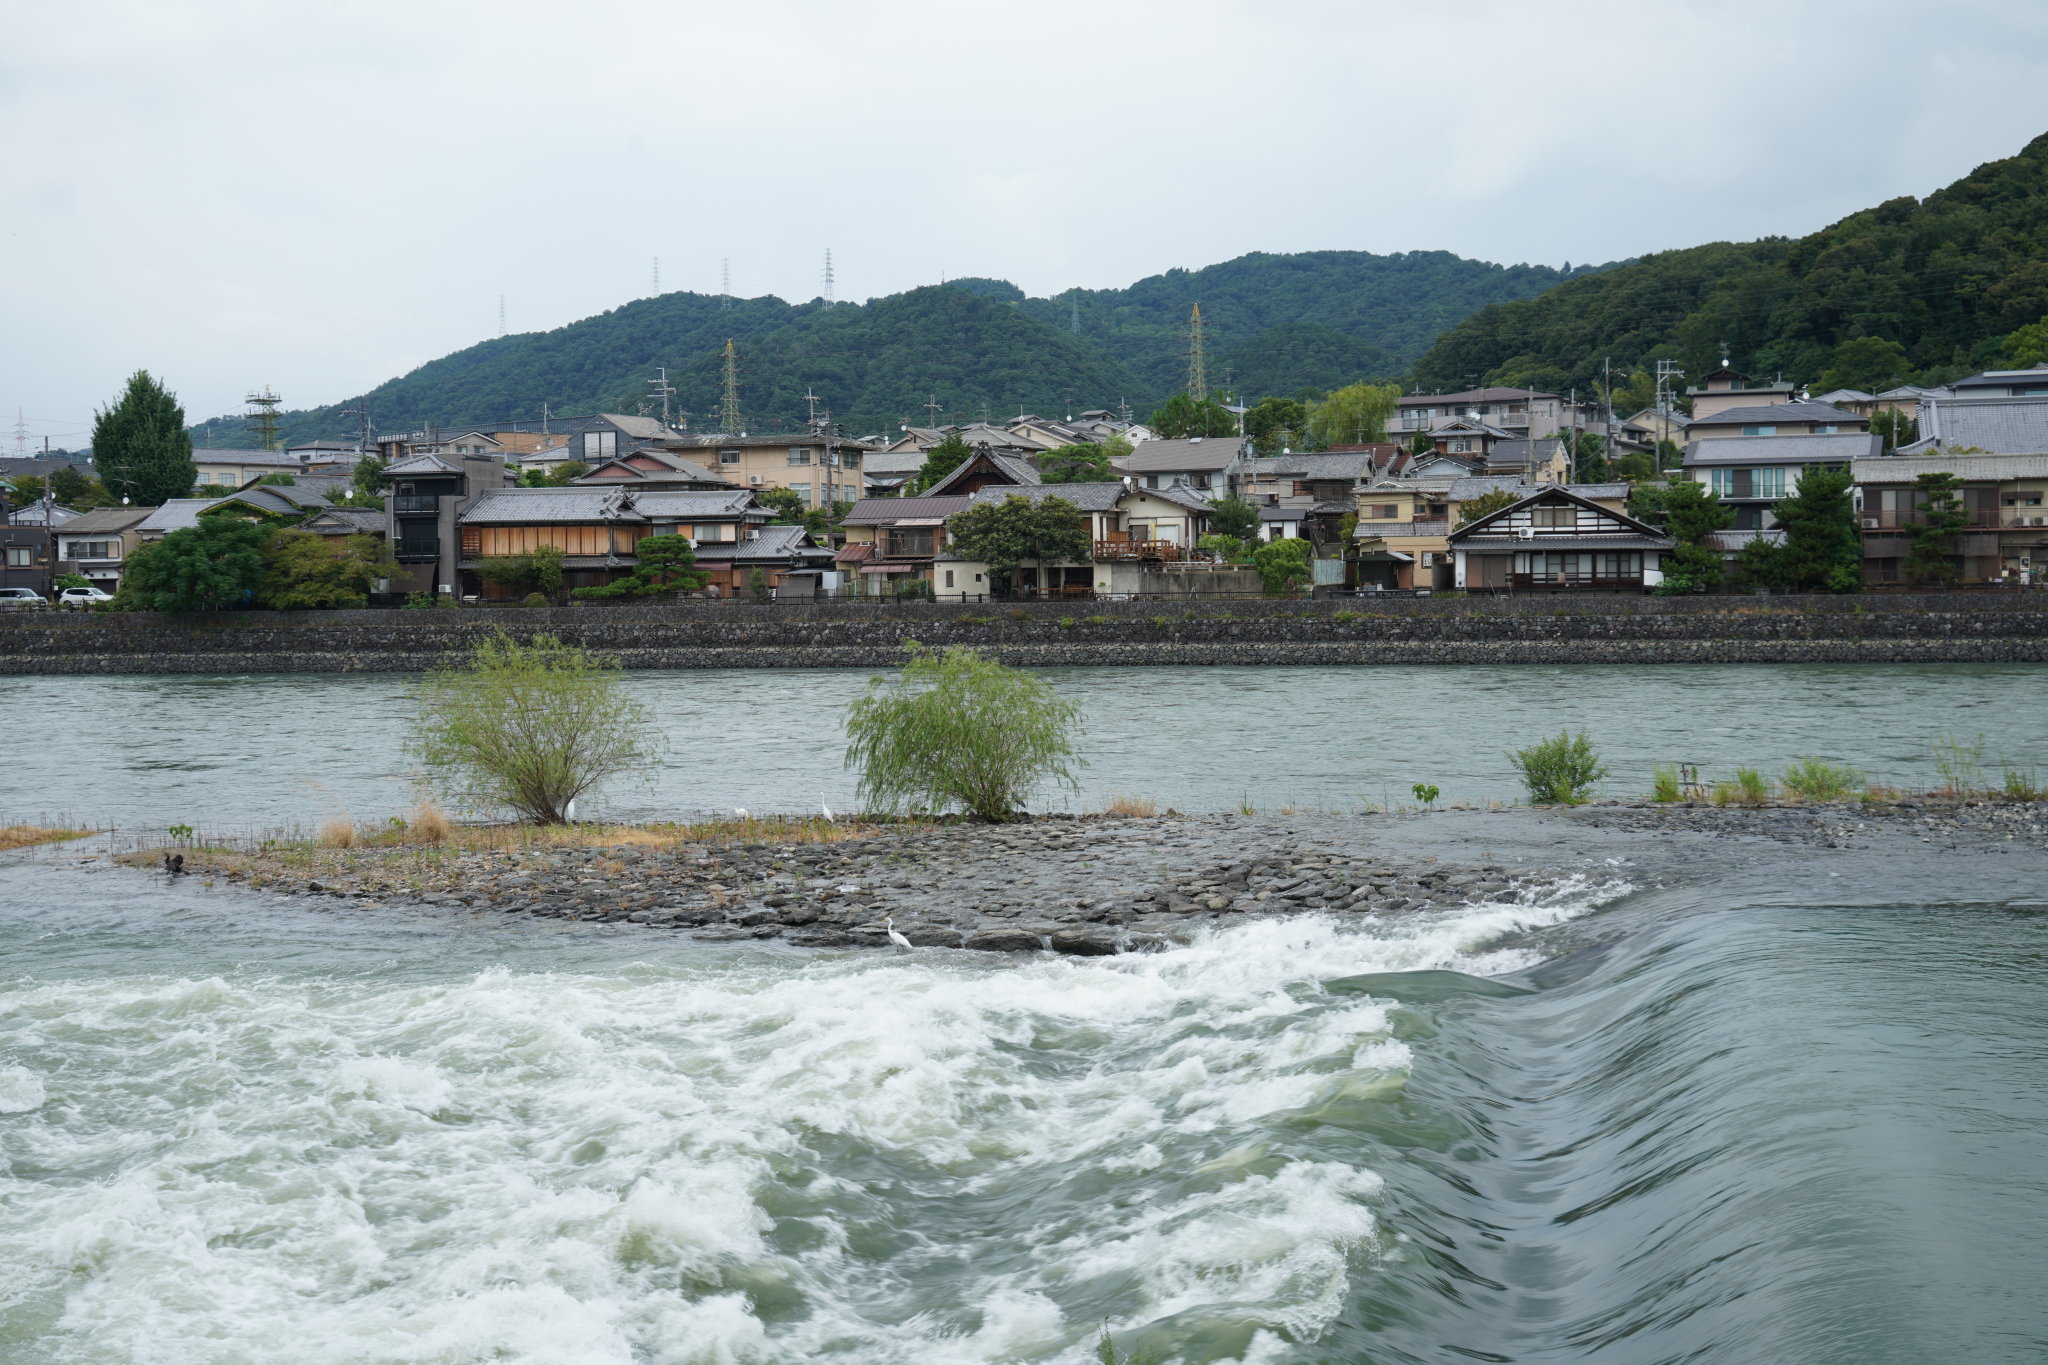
[1131,807]
[22,836]
[428,821]
[338,831]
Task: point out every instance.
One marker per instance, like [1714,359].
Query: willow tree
[1354,415]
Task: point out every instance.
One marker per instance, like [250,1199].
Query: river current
[1785,1107]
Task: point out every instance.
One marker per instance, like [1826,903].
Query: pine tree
[140,447]
[1822,548]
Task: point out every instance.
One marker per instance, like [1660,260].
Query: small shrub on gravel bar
[1816,779]
[959,729]
[1560,771]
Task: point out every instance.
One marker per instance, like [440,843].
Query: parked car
[21,599]
[80,599]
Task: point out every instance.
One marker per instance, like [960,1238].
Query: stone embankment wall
[1929,628]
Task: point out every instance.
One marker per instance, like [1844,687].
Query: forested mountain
[1273,325]
[1910,291]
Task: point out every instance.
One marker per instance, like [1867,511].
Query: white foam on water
[724,1158]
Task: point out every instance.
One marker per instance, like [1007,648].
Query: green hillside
[1910,291]
[1274,324]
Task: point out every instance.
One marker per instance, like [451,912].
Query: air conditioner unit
[757,478]
[1870,523]
[1526,532]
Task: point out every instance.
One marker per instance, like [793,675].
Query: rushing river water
[271,750]
[1789,1109]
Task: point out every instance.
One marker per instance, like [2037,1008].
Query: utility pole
[1667,370]
[664,389]
[729,420]
[933,409]
[1198,369]
[811,401]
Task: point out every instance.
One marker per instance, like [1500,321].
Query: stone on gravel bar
[1083,942]
[1002,940]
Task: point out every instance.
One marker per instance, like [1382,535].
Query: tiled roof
[1327,465]
[1479,485]
[1400,530]
[888,511]
[272,459]
[1018,470]
[1089,497]
[1495,395]
[1718,450]
[1970,468]
[1566,540]
[655,502]
[523,506]
[1771,414]
[419,464]
[1201,454]
[176,515]
[1735,540]
[776,542]
[107,519]
[362,519]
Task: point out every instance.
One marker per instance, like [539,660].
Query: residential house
[424,500]
[1513,412]
[1793,417]
[984,468]
[325,457]
[1729,388]
[1749,473]
[178,514]
[589,439]
[347,521]
[1143,539]
[1558,540]
[2004,412]
[1646,428]
[597,527]
[25,555]
[97,544]
[1201,464]
[231,469]
[820,469]
[884,472]
[1404,525]
[2004,496]
[895,542]
[655,467]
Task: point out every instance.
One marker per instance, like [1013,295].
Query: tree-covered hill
[1909,291]
[1274,324]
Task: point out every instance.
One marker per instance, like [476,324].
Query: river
[1762,1103]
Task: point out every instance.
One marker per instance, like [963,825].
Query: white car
[81,599]
[21,599]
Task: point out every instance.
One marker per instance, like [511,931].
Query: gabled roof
[683,504]
[275,459]
[776,542]
[1969,468]
[175,515]
[640,428]
[106,519]
[1349,464]
[1195,453]
[1017,471]
[2015,426]
[889,511]
[1772,414]
[717,441]
[419,464]
[1555,493]
[674,468]
[352,520]
[1479,485]
[1089,497]
[1841,396]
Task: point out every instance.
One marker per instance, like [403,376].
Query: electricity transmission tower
[827,277]
[657,277]
[725,283]
[1198,369]
[263,418]
[729,420]
[501,315]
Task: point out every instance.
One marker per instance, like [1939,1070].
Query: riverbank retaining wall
[1920,628]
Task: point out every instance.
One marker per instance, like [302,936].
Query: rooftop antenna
[501,315]
[729,420]
[1198,370]
[663,389]
[725,285]
[263,418]
[827,277]
[657,277]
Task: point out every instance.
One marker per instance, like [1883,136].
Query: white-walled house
[1555,540]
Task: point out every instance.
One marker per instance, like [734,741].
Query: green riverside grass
[1560,771]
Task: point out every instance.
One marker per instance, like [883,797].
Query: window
[949,578]
[1721,482]
[802,490]
[1827,429]
[1151,481]
[850,459]
[1554,517]
[599,445]
[1460,447]
[728,457]
[92,549]
[1759,431]
[1767,483]
[1198,480]
[711,533]
[18,556]
[799,455]
[1385,511]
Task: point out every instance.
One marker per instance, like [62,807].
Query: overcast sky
[318,196]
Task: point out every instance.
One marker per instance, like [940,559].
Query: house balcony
[416,502]
[413,551]
[1124,550]
[1893,520]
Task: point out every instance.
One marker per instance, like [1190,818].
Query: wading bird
[889,924]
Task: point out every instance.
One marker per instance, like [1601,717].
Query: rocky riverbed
[1097,885]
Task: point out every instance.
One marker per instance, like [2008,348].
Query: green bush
[1815,779]
[1754,789]
[958,729]
[1560,771]
[529,728]
[1664,784]
[1960,764]
[1283,565]
[534,599]
[1095,621]
[1065,623]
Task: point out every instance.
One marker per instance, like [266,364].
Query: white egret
[740,811]
[889,924]
[823,807]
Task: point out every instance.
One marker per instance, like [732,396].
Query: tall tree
[1692,513]
[666,564]
[211,566]
[1181,416]
[1076,464]
[1895,427]
[1354,415]
[1941,515]
[140,447]
[302,570]
[1234,517]
[1004,534]
[1822,550]
[939,461]
[1276,424]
